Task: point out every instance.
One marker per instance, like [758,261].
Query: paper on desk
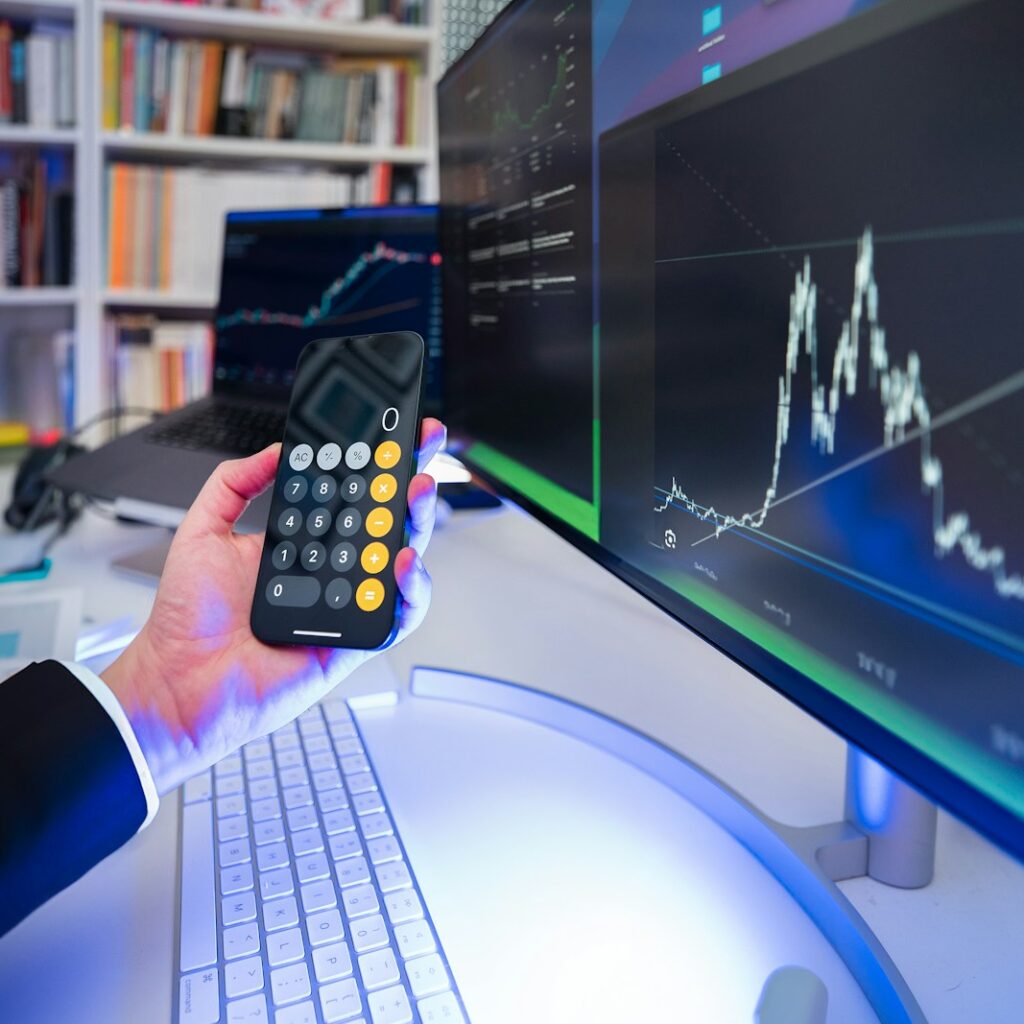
[36,624]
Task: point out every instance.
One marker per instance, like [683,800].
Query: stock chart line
[902,397]
[380,254]
[508,116]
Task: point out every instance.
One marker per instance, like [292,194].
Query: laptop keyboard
[222,427]
[298,903]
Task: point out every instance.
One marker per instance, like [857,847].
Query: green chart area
[507,117]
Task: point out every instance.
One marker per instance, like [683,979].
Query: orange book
[166,227]
[130,186]
[209,99]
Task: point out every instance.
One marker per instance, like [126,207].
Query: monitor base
[807,861]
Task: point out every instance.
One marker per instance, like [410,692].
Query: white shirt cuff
[111,705]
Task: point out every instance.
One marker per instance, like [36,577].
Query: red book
[6,91]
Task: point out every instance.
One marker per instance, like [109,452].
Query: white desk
[513,601]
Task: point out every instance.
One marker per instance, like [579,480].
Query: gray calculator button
[328,456]
[324,488]
[313,556]
[353,487]
[293,591]
[295,488]
[318,522]
[283,556]
[348,522]
[343,557]
[358,455]
[338,593]
[289,522]
[301,457]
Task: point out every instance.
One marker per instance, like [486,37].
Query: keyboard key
[393,876]
[312,726]
[336,711]
[285,947]
[263,810]
[322,761]
[330,962]
[352,871]
[256,750]
[403,906]
[198,788]
[390,1006]
[427,976]
[260,770]
[345,845]
[332,800]
[359,900]
[414,939]
[369,933]
[236,852]
[241,940]
[378,968]
[340,1001]
[383,849]
[262,789]
[342,731]
[374,825]
[347,746]
[199,998]
[442,1009]
[276,883]
[324,927]
[251,1010]
[361,782]
[243,976]
[229,785]
[315,743]
[295,776]
[327,779]
[338,821]
[310,868]
[367,803]
[289,984]
[236,909]
[271,831]
[230,805]
[273,855]
[301,817]
[355,763]
[297,796]
[283,913]
[236,879]
[232,828]
[300,1013]
[228,766]
[286,738]
[291,758]
[318,896]
[309,840]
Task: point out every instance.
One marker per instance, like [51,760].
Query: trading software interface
[290,277]
[805,371]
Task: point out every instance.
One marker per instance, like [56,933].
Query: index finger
[433,436]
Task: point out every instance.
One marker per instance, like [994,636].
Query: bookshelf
[84,305]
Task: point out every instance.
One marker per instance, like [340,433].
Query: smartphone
[338,512]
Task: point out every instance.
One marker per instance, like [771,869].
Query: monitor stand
[888,834]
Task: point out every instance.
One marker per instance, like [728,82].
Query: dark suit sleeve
[69,791]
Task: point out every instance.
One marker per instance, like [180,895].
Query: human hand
[195,683]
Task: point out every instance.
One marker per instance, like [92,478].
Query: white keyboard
[298,904]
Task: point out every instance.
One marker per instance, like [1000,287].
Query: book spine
[111,75]
[19,90]
[126,103]
[6,99]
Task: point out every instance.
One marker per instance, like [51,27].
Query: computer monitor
[290,276]
[758,351]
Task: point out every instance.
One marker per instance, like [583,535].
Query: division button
[283,557]
[324,488]
[370,595]
[383,487]
[343,557]
[379,522]
[353,487]
[314,555]
[349,521]
[358,455]
[293,591]
[387,454]
[374,557]
[289,522]
[318,522]
[295,488]
[328,456]
[338,593]
[301,457]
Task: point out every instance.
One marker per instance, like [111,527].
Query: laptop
[287,277]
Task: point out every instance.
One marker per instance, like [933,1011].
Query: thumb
[230,488]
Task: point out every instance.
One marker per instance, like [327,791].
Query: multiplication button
[383,487]
[301,457]
[328,457]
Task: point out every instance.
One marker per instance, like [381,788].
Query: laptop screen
[294,275]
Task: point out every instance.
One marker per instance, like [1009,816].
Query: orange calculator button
[374,557]
[379,522]
[383,487]
[387,454]
[370,595]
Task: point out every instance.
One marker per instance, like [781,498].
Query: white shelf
[59,9]
[28,135]
[145,298]
[57,296]
[216,147]
[254,26]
